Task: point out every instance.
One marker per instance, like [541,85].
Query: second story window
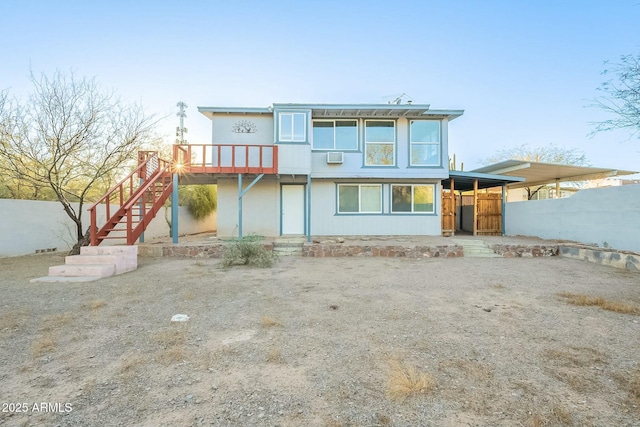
[425,142]
[335,134]
[380,143]
[293,127]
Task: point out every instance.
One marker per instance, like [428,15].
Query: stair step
[67,279]
[76,270]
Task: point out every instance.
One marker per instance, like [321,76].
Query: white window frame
[413,211]
[392,143]
[334,134]
[438,144]
[360,211]
[293,126]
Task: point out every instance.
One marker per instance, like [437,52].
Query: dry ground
[321,342]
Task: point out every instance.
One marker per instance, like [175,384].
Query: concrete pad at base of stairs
[65,279]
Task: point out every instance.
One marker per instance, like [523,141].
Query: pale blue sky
[523,71]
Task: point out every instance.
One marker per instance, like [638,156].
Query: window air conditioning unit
[334,158]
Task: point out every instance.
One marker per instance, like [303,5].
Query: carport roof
[463,181]
[536,173]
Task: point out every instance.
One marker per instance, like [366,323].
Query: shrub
[248,251]
[201,200]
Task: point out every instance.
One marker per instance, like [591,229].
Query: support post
[174,209]
[309,208]
[239,206]
[557,189]
[475,207]
[504,204]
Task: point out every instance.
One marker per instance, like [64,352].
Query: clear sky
[523,71]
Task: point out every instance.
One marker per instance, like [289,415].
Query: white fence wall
[597,215]
[29,225]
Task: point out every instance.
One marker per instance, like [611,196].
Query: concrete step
[65,279]
[476,249]
[288,251]
[76,270]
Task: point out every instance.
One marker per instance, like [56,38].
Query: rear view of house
[320,169]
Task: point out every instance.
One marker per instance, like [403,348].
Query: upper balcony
[225,158]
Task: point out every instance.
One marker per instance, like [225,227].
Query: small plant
[405,380]
[248,251]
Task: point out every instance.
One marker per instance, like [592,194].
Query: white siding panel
[294,159]
[260,208]
[223,129]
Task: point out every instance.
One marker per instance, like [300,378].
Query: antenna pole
[181,130]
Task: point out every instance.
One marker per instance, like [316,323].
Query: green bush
[248,251]
[201,200]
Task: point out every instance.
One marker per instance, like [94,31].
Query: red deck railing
[226,158]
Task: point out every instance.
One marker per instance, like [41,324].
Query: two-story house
[312,169]
[353,169]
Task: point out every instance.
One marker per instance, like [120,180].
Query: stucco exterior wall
[28,225]
[325,221]
[597,215]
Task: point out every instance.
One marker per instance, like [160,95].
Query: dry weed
[270,322]
[11,320]
[170,337]
[43,344]
[94,305]
[274,355]
[56,321]
[172,355]
[406,380]
[634,384]
[130,365]
[603,303]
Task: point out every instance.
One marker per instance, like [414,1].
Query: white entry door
[292,209]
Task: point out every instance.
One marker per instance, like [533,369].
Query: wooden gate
[448,213]
[489,214]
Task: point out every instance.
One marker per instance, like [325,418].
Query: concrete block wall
[607,217]
[30,226]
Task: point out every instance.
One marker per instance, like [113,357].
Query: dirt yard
[322,342]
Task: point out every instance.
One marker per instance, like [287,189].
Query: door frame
[304,207]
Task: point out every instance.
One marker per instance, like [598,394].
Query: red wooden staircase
[132,203]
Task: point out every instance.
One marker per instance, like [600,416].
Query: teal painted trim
[409,165]
[254,182]
[385,214]
[305,217]
[174,210]
[276,125]
[381,167]
[423,184]
[242,110]
[502,218]
[239,206]
[395,143]
[333,151]
[309,208]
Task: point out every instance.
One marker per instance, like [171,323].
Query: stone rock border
[320,250]
[525,251]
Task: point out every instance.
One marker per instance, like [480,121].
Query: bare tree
[621,96]
[70,137]
[545,154]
